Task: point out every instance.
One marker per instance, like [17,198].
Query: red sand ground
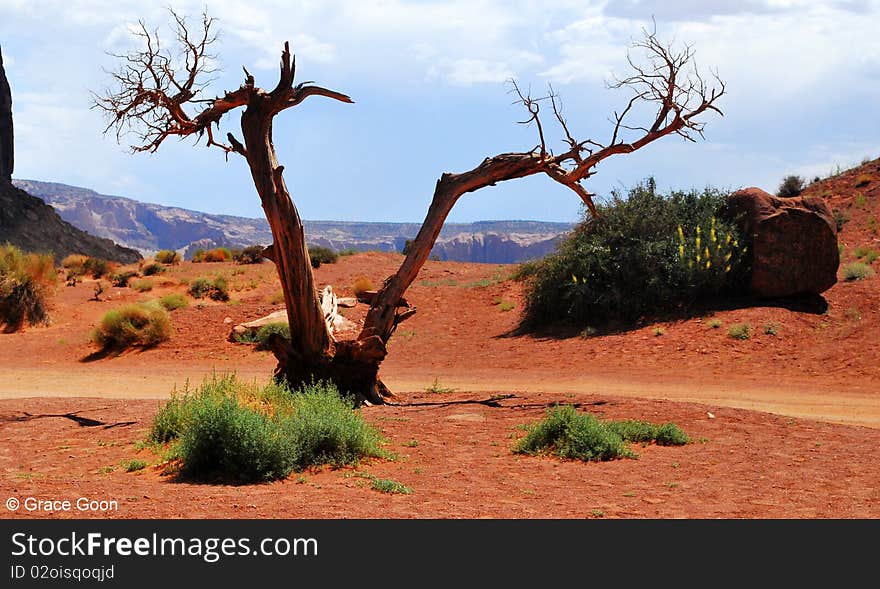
[795,432]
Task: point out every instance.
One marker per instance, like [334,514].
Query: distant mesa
[151,227]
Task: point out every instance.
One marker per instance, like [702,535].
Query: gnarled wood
[153,99]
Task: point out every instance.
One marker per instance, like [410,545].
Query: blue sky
[428,80]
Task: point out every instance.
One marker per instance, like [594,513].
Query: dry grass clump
[361,285]
[133,325]
[27,280]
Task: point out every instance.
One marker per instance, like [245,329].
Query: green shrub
[97,267]
[142,285]
[261,336]
[172,302]
[328,430]
[134,464]
[167,257]
[568,434]
[644,257]
[121,279]
[390,486]
[267,331]
[741,331]
[321,255]
[230,430]
[348,251]
[666,434]
[216,289]
[857,271]
[224,438]
[252,254]
[790,186]
[27,280]
[133,325]
[152,269]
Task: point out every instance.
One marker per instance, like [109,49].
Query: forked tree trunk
[311,354]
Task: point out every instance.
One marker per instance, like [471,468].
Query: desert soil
[785,424]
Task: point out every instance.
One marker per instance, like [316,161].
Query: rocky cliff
[7,159]
[29,223]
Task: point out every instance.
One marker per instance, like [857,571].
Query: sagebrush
[566,433]
[227,429]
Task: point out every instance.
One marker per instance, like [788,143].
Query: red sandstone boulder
[793,242]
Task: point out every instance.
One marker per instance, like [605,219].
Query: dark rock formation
[32,225]
[793,242]
[7,159]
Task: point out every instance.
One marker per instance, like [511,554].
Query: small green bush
[742,331]
[321,255]
[167,257]
[134,464]
[27,281]
[390,486]
[857,271]
[152,269]
[230,430]
[121,279]
[568,434]
[790,186]
[133,325]
[252,254]
[172,302]
[216,289]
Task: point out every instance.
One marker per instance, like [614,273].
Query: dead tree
[153,96]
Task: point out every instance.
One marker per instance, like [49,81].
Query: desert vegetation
[322,255]
[230,430]
[566,433]
[252,254]
[27,281]
[167,257]
[646,255]
[216,289]
[217,254]
[132,325]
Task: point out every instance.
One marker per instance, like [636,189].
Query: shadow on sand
[813,304]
